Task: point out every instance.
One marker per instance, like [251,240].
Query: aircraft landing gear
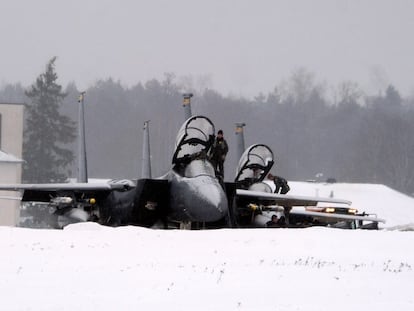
[185,225]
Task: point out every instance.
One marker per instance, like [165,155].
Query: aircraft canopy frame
[195,137]
[255,163]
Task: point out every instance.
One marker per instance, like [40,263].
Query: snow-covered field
[91,267]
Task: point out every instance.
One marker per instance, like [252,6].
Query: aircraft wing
[44,192]
[288,200]
[8,197]
[69,186]
[337,216]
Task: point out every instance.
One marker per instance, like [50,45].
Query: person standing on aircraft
[218,153]
[281,184]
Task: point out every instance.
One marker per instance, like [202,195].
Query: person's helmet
[220,132]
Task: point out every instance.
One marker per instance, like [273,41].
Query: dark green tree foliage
[46,131]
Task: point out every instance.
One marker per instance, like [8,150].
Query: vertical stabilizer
[187,105]
[82,164]
[146,161]
[240,139]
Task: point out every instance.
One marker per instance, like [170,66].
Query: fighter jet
[256,202]
[188,193]
[188,196]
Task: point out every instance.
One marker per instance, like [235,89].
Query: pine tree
[46,131]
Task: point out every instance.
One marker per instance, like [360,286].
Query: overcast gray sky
[241,47]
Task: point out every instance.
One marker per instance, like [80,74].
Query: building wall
[11,142]
[9,208]
[12,128]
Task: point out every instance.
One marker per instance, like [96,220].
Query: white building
[11,145]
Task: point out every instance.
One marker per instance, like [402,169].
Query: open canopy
[255,163]
[195,136]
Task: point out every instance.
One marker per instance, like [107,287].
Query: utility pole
[187,105]
[82,164]
[240,139]
[146,160]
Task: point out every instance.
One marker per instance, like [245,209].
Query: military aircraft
[188,196]
[188,193]
[256,203]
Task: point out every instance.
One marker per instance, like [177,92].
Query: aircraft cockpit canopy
[194,138]
[255,163]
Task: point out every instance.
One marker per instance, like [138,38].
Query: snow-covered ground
[90,267]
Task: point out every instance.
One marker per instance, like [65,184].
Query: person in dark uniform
[281,184]
[276,222]
[218,153]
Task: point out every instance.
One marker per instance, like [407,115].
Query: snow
[6,157]
[91,267]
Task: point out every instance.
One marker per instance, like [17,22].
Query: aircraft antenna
[82,164]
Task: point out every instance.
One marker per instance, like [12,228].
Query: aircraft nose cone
[204,199]
[213,201]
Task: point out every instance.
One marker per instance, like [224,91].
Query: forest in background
[347,135]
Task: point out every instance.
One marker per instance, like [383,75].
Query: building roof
[6,157]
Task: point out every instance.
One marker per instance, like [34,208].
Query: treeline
[350,136]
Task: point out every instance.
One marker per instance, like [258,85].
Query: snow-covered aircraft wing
[115,185]
[337,216]
[288,200]
[43,192]
[9,197]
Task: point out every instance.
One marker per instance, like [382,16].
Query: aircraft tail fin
[146,160]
